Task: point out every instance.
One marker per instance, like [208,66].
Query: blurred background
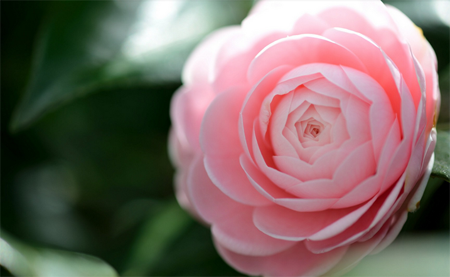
[86,183]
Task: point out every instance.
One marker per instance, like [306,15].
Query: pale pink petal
[235,56]
[235,185]
[283,223]
[285,263]
[302,94]
[280,197]
[357,167]
[298,50]
[355,231]
[306,205]
[339,181]
[390,146]
[261,183]
[210,203]
[316,188]
[252,105]
[357,251]
[308,24]
[373,184]
[390,200]
[381,113]
[356,113]
[222,148]
[414,203]
[265,163]
[186,111]
[201,62]
[322,168]
[361,193]
[366,48]
[328,114]
[280,145]
[363,17]
[238,234]
[271,100]
[332,75]
[343,223]
[392,233]
[410,32]
[219,137]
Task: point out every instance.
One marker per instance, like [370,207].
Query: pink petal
[414,203]
[354,231]
[308,24]
[333,75]
[321,169]
[361,193]
[261,183]
[343,223]
[356,113]
[283,223]
[285,263]
[187,109]
[357,251]
[392,233]
[372,185]
[298,50]
[238,234]
[220,142]
[357,167]
[228,175]
[280,197]
[201,62]
[253,103]
[210,203]
[381,113]
[280,145]
[219,130]
[304,94]
[390,200]
[340,180]
[306,205]
[265,163]
[373,58]
[235,56]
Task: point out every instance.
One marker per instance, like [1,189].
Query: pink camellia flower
[305,135]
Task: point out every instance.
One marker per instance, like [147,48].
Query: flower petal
[238,234]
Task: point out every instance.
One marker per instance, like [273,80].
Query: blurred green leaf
[87,46]
[444,85]
[441,168]
[155,238]
[24,260]
[409,255]
[193,254]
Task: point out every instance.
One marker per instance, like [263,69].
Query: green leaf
[23,260]
[155,238]
[87,46]
[441,168]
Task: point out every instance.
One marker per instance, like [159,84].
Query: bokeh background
[86,182]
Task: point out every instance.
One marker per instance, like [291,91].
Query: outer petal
[238,233]
[295,261]
[299,50]
[187,109]
[201,62]
[210,203]
[220,142]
